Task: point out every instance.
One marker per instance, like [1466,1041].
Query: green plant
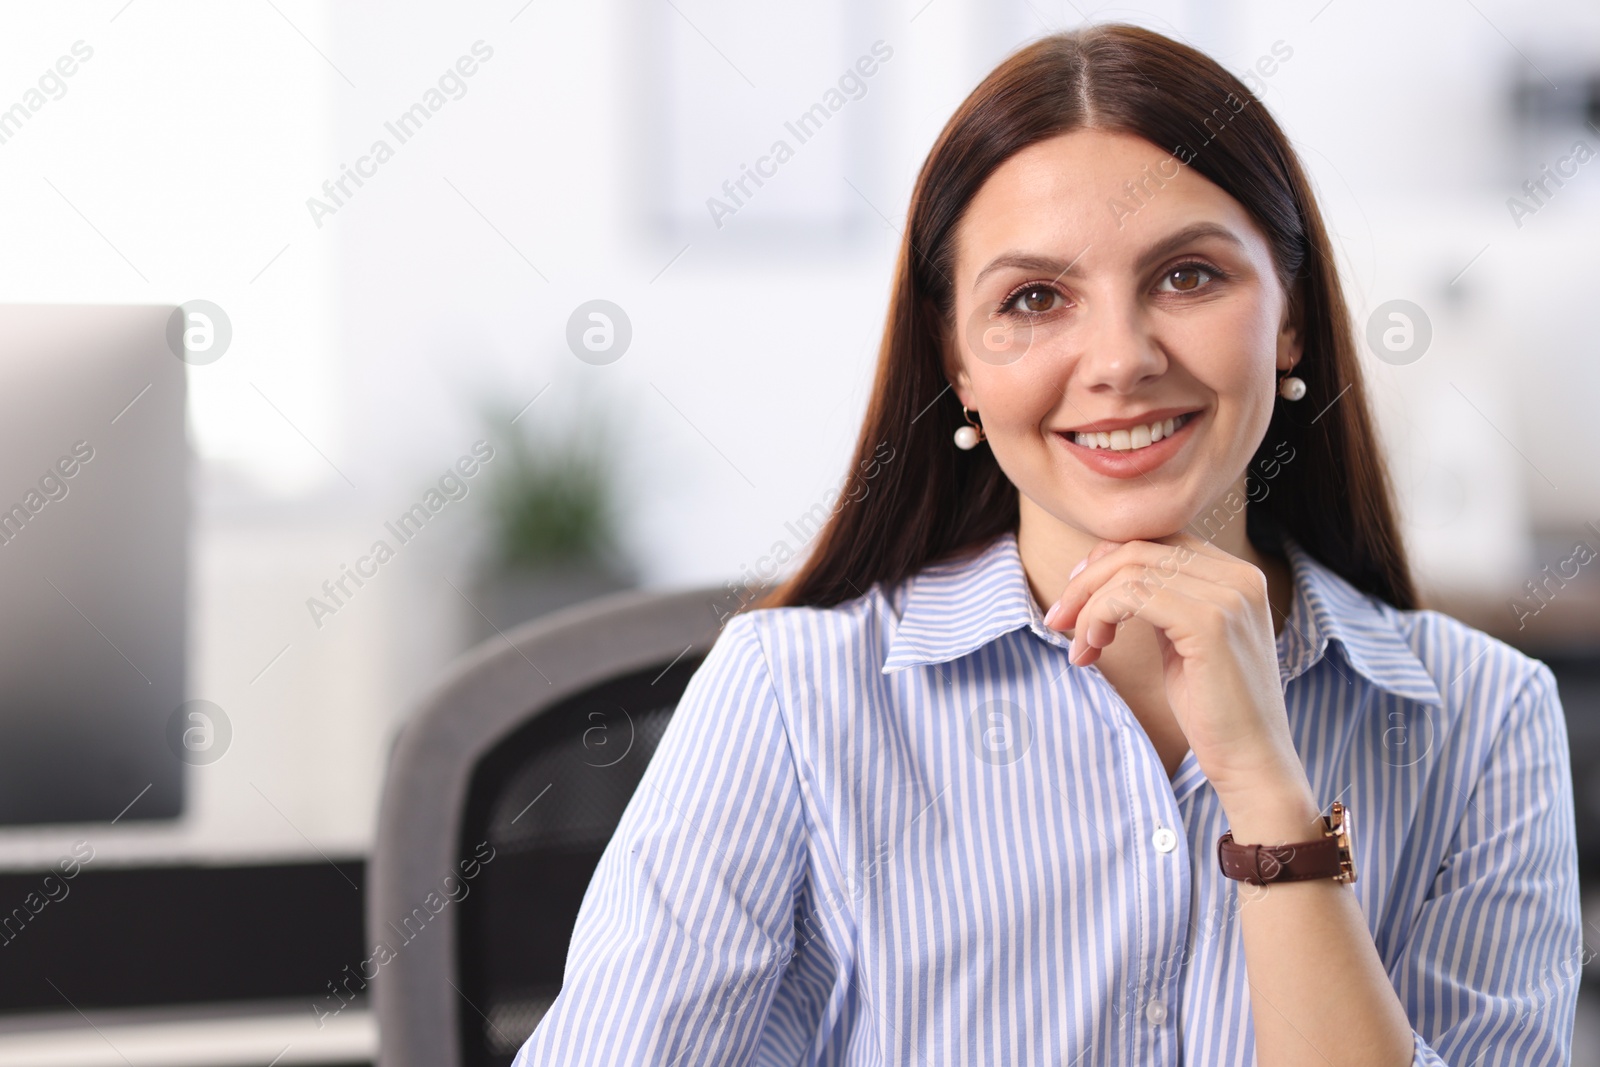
[550,496]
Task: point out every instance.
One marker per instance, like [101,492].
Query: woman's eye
[1034,300]
[1185,277]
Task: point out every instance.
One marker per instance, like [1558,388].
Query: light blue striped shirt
[904,830]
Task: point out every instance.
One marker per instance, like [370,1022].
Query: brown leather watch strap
[1326,857]
[1264,864]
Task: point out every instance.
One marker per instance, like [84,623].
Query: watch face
[1347,859]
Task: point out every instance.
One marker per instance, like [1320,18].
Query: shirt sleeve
[686,928]
[1489,974]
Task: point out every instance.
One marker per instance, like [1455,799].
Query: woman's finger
[1199,544]
[1163,562]
[1174,607]
[1186,608]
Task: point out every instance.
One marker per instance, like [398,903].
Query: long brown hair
[1335,497]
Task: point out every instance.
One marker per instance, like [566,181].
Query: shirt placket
[1161,863]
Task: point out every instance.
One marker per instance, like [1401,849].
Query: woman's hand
[1213,624]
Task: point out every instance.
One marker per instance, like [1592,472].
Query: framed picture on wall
[760,131]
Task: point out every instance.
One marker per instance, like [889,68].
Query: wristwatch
[1327,857]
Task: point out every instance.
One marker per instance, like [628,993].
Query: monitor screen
[94,531]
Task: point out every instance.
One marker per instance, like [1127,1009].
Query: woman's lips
[1134,462]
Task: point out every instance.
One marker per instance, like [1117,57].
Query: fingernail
[1082,563]
[1050,616]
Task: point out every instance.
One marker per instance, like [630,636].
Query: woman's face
[1082,309]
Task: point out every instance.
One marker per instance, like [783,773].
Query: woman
[901,816]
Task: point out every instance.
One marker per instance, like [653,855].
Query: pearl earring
[1291,388]
[967,437]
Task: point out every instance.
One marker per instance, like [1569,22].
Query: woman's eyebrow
[1043,264]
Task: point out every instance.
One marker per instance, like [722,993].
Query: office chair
[503,789]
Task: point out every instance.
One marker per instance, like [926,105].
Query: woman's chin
[1152,516]
[1152,526]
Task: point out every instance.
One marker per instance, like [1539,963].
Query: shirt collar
[1371,634]
[954,607]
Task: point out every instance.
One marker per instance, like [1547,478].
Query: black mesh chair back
[503,790]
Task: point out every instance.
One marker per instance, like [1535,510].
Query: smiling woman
[1016,184]
[899,816]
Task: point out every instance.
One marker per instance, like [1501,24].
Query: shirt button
[1156,1012]
[1164,840]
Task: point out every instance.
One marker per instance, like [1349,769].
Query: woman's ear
[955,372]
[963,392]
[1289,349]
[1290,346]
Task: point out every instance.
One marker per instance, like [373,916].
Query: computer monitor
[94,533]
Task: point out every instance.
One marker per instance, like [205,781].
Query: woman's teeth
[1133,437]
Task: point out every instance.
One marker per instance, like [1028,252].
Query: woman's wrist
[1273,811]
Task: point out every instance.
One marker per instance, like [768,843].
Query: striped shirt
[903,830]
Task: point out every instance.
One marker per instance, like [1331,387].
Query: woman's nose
[1115,350]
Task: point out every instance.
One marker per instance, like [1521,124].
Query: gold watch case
[1338,827]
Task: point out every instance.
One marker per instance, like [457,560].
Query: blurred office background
[381,326]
